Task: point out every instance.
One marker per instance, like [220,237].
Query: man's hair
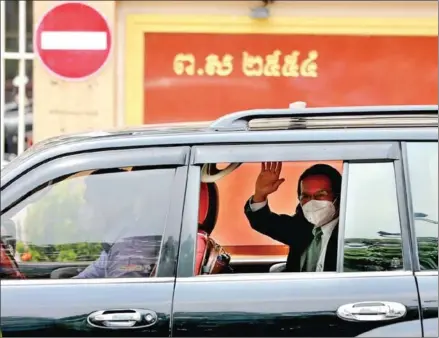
[322,170]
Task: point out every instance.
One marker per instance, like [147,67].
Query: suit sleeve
[279,227]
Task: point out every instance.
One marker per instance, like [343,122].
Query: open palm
[268,180]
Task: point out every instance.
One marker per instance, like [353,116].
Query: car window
[423,177]
[372,225]
[104,223]
[276,232]
[252,236]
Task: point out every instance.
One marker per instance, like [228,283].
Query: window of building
[423,176]
[94,224]
[16,76]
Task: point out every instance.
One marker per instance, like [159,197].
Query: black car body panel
[276,306]
[62,310]
[405,329]
[428,294]
[256,304]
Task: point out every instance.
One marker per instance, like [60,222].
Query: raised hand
[268,180]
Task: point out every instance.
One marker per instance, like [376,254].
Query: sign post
[73,41]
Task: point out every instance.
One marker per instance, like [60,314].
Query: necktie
[313,252]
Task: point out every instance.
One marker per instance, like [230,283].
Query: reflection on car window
[112,220]
[372,225]
[423,176]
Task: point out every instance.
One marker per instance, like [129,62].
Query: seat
[211,258]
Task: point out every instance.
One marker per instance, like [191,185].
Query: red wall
[351,70]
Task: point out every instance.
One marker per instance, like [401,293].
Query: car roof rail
[298,116]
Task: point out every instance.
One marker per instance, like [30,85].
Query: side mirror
[9,235]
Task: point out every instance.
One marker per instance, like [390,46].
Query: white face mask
[319,212]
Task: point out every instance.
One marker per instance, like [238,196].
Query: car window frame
[410,212]
[371,151]
[151,158]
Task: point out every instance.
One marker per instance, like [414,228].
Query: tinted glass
[114,218]
[423,174]
[372,228]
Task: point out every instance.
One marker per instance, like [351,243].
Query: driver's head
[318,190]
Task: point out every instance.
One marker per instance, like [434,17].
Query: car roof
[235,127]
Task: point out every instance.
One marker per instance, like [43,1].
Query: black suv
[112,233]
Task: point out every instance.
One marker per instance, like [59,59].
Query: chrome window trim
[250,277]
[74,281]
[426,273]
[259,260]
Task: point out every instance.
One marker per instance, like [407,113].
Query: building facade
[324,53]
[197,60]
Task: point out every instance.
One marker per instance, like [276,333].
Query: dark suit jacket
[294,231]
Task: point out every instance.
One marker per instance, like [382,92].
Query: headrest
[208,207]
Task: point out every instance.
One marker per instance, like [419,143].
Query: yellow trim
[139,24]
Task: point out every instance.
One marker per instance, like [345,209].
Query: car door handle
[122,319]
[371,311]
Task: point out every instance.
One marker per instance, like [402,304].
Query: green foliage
[51,225]
[20,247]
[386,254]
[428,253]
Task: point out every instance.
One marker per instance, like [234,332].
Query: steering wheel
[211,173]
[8,266]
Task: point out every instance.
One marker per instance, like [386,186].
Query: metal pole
[21,74]
[2,80]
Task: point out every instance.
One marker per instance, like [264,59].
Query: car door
[373,286]
[421,164]
[117,212]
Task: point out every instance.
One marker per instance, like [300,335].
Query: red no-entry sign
[73,40]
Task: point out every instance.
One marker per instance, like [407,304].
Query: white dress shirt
[326,235]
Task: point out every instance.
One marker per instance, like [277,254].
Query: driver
[114,210]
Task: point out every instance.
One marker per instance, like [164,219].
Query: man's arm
[289,230]
[282,228]
[95,269]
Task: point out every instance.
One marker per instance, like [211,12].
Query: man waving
[312,232]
